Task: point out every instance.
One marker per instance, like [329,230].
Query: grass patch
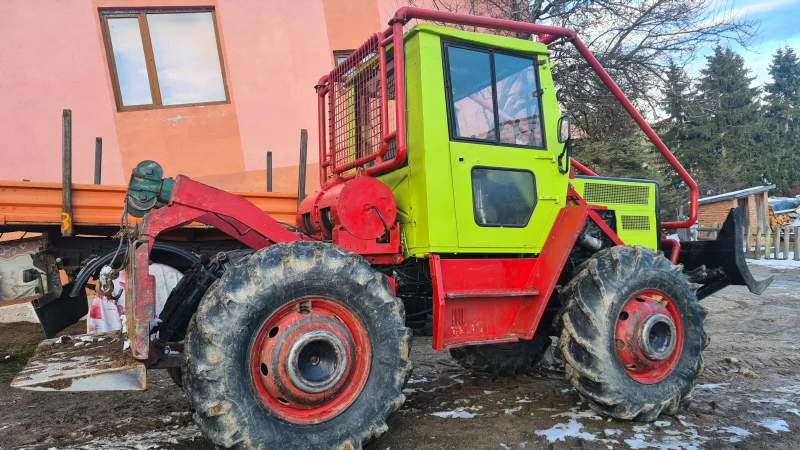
[19,353]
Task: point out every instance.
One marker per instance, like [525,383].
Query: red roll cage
[368,79]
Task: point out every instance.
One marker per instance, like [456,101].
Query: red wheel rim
[648,336]
[310,360]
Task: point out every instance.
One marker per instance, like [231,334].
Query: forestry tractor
[449,199]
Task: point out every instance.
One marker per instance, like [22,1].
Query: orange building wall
[273,54]
[50,60]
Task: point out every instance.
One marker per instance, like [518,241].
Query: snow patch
[774,401]
[417,380]
[459,413]
[561,431]
[794,411]
[785,263]
[789,390]
[734,430]
[710,386]
[573,413]
[611,432]
[662,423]
[775,425]
[512,410]
[144,441]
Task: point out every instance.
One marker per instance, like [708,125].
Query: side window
[502,197]
[471,93]
[518,101]
[493,97]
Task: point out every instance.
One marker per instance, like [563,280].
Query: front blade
[86,362]
[726,252]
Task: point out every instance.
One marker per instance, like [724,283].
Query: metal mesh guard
[354,105]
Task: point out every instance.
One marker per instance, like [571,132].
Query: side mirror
[564,129]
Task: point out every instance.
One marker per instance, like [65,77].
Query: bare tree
[635,40]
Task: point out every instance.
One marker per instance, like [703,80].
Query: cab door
[506,180]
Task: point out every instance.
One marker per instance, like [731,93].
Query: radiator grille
[635,223]
[615,193]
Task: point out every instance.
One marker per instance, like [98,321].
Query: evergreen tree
[783,94]
[677,105]
[782,120]
[722,147]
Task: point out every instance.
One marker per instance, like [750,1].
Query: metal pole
[269,171]
[98,159]
[66,173]
[301,179]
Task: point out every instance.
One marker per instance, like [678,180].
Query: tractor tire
[300,346]
[503,359]
[632,334]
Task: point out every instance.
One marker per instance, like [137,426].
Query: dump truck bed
[34,206]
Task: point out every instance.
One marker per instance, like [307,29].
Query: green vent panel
[616,193]
[635,223]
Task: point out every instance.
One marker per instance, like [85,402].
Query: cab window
[493,97]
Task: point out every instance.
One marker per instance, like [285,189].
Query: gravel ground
[748,397]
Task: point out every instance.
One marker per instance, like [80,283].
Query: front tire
[300,346]
[632,336]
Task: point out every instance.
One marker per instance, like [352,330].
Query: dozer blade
[726,254]
[86,362]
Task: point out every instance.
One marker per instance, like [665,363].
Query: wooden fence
[778,243]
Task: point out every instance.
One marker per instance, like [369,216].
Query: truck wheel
[632,336]
[300,346]
[503,359]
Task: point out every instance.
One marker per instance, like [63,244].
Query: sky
[779,20]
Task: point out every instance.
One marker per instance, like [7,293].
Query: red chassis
[503,304]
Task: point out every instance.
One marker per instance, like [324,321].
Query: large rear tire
[503,359]
[632,336]
[302,345]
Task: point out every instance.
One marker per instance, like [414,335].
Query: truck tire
[632,334]
[300,346]
[503,359]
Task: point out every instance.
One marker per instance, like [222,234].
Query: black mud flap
[58,313]
[723,259]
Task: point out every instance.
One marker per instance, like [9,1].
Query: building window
[493,97]
[340,55]
[163,57]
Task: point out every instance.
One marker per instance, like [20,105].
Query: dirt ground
[747,398]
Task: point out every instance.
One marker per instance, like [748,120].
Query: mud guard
[724,257]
